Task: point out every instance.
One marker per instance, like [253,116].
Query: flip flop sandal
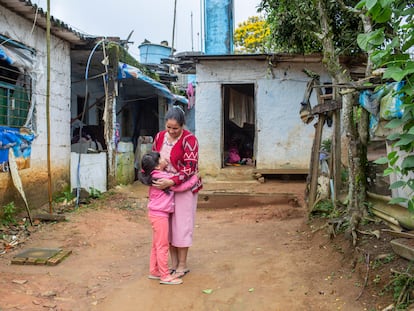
[153,277]
[180,274]
[175,281]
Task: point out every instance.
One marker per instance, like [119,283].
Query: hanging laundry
[190,95]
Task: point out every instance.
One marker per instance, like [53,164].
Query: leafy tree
[295,25]
[252,35]
[329,27]
[391,45]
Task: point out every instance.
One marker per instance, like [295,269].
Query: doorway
[239,124]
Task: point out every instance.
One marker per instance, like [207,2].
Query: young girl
[160,205]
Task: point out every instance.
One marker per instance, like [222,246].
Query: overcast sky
[149,19]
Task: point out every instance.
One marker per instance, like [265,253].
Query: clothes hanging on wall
[190,95]
[241,108]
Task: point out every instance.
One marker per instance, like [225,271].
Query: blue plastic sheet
[384,104]
[126,71]
[20,140]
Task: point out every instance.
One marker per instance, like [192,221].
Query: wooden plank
[58,258]
[327,105]
[18,261]
[41,261]
[398,234]
[336,154]
[315,162]
[283,171]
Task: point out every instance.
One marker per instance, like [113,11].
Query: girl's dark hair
[148,163]
[176,113]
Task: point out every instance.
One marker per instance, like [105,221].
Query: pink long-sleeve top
[183,157]
[160,202]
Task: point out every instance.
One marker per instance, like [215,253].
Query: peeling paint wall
[219,26]
[35,178]
[282,140]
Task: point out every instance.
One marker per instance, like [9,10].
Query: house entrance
[239,125]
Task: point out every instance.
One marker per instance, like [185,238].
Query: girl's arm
[187,185]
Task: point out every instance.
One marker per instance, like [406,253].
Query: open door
[239,126]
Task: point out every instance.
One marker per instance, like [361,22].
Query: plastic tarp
[20,141]
[25,61]
[126,71]
[17,57]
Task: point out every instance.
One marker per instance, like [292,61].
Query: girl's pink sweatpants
[160,246]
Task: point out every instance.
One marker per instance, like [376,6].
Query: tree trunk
[110,116]
[339,76]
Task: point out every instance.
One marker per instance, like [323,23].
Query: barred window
[15,84]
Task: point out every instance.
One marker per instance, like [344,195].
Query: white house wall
[35,178]
[282,140]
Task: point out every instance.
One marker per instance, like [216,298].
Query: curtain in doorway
[241,108]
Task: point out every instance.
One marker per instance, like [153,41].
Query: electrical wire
[78,185]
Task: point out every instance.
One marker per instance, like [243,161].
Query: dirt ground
[245,256]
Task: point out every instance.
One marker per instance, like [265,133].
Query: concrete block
[404,248]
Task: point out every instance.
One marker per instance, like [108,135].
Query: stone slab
[404,248]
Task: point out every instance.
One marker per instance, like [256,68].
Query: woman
[180,148]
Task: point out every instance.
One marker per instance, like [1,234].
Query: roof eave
[33,13]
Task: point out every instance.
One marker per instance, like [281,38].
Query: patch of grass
[325,209]
[95,193]
[377,279]
[402,285]
[383,260]
[65,196]
[9,212]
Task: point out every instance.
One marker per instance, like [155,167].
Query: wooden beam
[282,171]
[327,105]
[314,169]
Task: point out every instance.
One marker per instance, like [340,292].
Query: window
[15,84]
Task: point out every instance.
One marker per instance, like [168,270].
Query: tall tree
[391,44]
[306,26]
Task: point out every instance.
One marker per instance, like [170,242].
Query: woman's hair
[176,113]
[148,163]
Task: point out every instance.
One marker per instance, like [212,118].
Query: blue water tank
[218,26]
[150,53]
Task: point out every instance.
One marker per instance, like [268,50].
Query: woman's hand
[163,183]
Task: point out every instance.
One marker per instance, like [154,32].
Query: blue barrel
[150,53]
[218,26]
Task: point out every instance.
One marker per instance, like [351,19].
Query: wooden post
[314,169]
[336,153]
[110,116]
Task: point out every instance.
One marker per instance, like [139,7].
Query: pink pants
[160,246]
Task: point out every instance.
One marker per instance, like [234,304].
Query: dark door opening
[239,125]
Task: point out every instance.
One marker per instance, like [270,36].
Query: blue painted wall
[218,26]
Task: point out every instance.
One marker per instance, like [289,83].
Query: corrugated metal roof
[32,12]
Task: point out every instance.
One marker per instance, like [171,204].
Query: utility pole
[192,41]
[173,30]
[49,169]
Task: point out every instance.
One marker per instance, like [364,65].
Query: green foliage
[344,175]
[326,145]
[295,25]
[326,209]
[401,286]
[95,193]
[382,261]
[390,43]
[9,212]
[65,196]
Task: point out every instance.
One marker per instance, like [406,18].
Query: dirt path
[251,258]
